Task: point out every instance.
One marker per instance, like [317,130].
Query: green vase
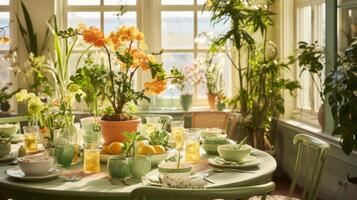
[186,101]
[118,167]
[139,166]
[220,106]
[64,154]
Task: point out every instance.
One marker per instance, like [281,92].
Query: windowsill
[306,119]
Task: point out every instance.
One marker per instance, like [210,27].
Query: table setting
[183,158]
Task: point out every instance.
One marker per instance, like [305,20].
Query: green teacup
[139,166]
[118,167]
[5,149]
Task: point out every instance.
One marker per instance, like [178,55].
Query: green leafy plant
[260,98]
[29,35]
[159,137]
[130,140]
[341,86]
[5,96]
[91,78]
[310,59]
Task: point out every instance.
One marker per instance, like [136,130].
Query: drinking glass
[30,139]
[64,154]
[153,124]
[178,133]
[192,145]
[91,158]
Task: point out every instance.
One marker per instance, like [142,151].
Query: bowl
[171,168]
[230,152]
[35,168]
[8,130]
[210,144]
[5,149]
[155,159]
[212,132]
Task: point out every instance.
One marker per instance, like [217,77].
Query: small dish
[35,167]
[230,152]
[18,174]
[250,162]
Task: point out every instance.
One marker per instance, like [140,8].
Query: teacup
[118,167]
[139,166]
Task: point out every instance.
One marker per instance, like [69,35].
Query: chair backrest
[316,152]
[145,193]
[208,119]
[165,119]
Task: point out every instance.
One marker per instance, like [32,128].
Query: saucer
[16,173]
[250,161]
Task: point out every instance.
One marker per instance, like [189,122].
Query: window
[310,27]
[5,76]
[181,22]
[171,25]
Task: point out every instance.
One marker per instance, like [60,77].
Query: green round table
[98,186]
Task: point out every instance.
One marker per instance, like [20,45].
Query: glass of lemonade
[178,133]
[30,138]
[192,145]
[91,161]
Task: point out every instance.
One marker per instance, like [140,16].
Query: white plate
[8,158]
[250,161]
[18,174]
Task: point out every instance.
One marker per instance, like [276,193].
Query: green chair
[164,119]
[146,193]
[315,153]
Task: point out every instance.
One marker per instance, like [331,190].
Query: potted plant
[186,80]
[260,98]
[310,59]
[4,98]
[212,64]
[340,87]
[129,48]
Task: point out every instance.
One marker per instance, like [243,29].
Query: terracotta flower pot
[112,131]
[321,117]
[212,99]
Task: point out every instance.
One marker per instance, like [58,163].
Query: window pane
[200,2]
[304,93]
[112,21]
[4,21]
[204,25]
[88,18]
[119,2]
[177,29]
[83,2]
[178,60]
[176,2]
[5,71]
[4,2]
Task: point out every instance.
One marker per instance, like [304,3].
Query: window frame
[309,115]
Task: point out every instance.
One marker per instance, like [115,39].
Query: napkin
[178,181]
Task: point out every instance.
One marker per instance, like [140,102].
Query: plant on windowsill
[341,87]
[260,98]
[5,96]
[213,71]
[311,58]
[186,81]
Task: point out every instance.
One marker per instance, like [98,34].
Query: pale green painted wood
[315,150]
[166,119]
[144,193]
[331,52]
[4,120]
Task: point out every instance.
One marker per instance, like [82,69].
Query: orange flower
[56,102]
[155,87]
[95,36]
[115,40]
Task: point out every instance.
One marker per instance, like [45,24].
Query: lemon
[159,149]
[115,148]
[146,150]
